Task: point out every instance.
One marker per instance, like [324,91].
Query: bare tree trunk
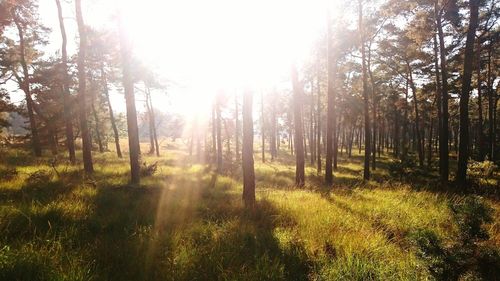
[366,170]
[404,147]
[96,120]
[443,133]
[149,99]
[330,122]
[480,106]
[318,121]
[463,154]
[374,107]
[262,129]
[438,85]
[247,153]
[299,134]
[111,115]
[429,146]
[219,133]
[491,111]
[417,119]
[70,142]
[311,126]
[214,135]
[82,88]
[128,85]
[237,129]
[274,150]
[151,125]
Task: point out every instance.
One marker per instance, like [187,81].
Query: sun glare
[219,45]
[222,43]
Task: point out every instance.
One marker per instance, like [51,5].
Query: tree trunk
[70,142]
[96,120]
[318,122]
[330,122]
[82,88]
[247,152]
[443,132]
[366,170]
[491,107]
[438,85]
[463,153]
[274,150]
[25,86]
[262,128]
[237,128]
[153,121]
[404,137]
[480,106]
[311,126]
[299,134]
[374,107]
[111,115]
[214,135]
[417,118]
[429,145]
[151,124]
[128,85]
[219,133]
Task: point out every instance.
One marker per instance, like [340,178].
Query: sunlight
[224,44]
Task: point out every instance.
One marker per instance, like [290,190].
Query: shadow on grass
[186,230]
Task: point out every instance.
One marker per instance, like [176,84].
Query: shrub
[471,214]
[465,258]
[402,168]
[483,169]
[148,170]
[39,177]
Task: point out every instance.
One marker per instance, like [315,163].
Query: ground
[184,222]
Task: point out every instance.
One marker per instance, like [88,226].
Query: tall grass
[187,223]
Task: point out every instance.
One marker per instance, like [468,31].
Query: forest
[249,140]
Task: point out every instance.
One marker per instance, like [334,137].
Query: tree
[247,152]
[366,166]
[463,153]
[330,115]
[70,142]
[218,120]
[298,129]
[82,87]
[22,18]
[128,85]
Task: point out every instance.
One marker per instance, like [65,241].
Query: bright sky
[205,45]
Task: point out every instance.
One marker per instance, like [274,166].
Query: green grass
[187,223]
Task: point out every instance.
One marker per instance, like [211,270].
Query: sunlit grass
[187,223]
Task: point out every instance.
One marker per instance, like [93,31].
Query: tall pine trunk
[70,141]
[480,105]
[237,128]
[443,132]
[366,167]
[262,128]
[299,133]
[111,114]
[218,120]
[318,123]
[128,85]
[463,153]
[247,152]
[330,122]
[82,91]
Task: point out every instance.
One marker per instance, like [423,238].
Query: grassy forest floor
[187,223]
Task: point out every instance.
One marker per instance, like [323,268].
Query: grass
[187,223]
